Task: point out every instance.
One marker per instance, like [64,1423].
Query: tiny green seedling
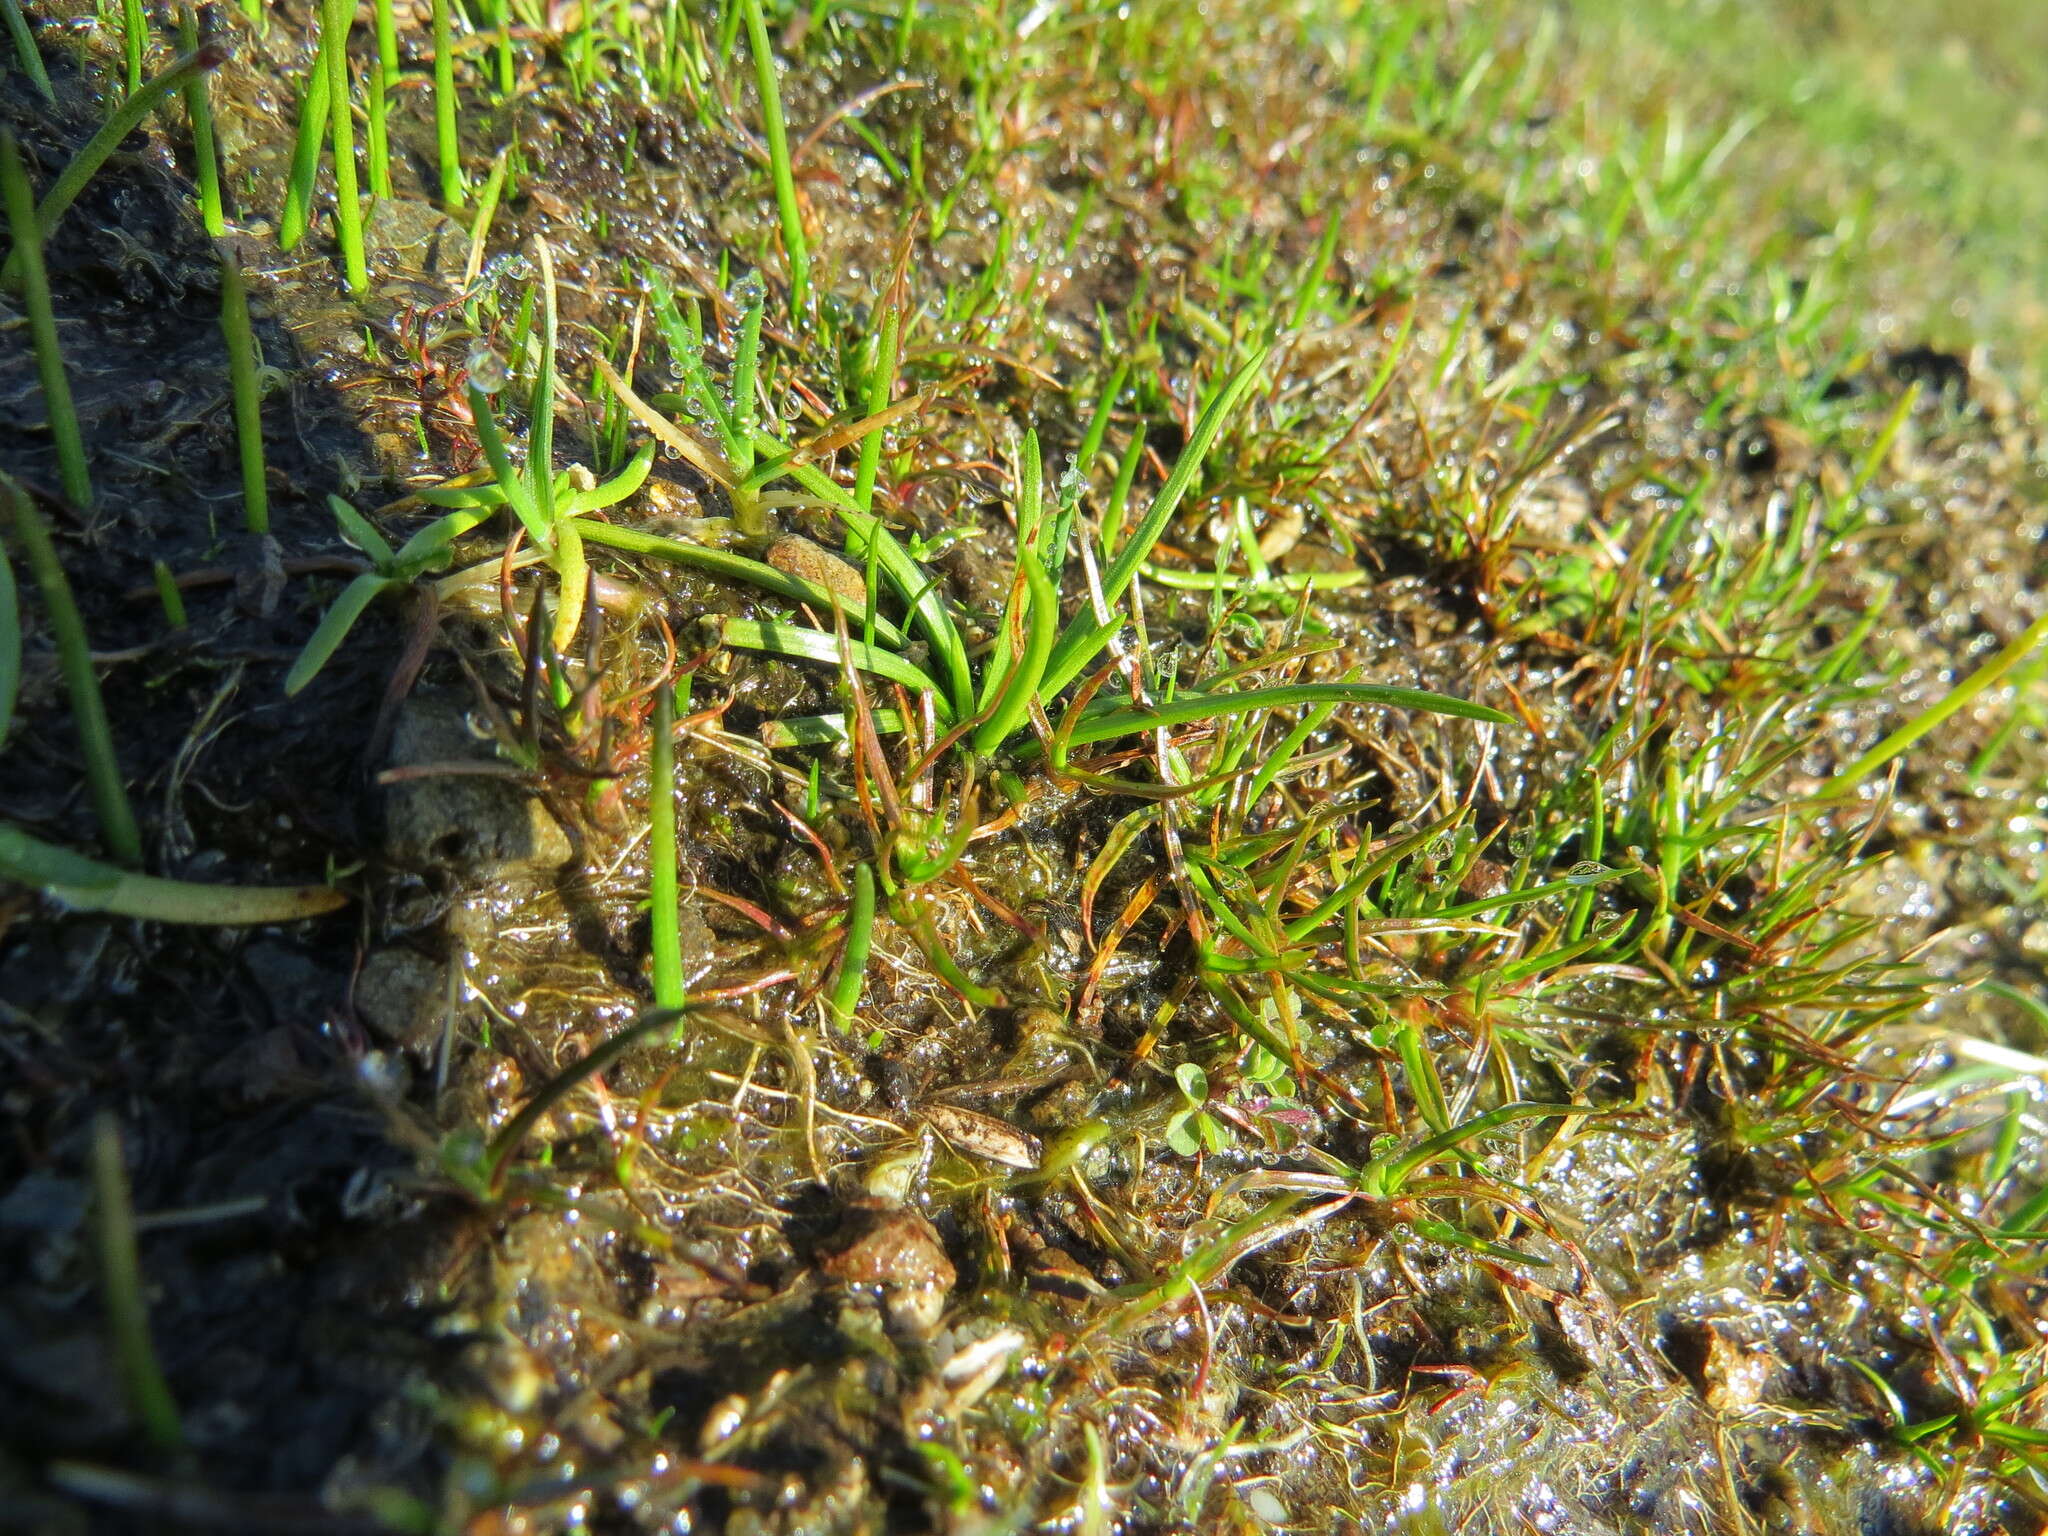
[390,571]
[1191,1129]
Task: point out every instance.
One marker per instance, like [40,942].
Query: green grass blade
[799,644]
[996,667]
[1021,687]
[25,50]
[74,654]
[684,336]
[1383,1177]
[1569,885]
[334,627]
[867,538]
[1276,764]
[1987,676]
[853,959]
[245,365]
[486,214]
[540,431]
[733,567]
[376,100]
[880,385]
[746,365]
[424,548]
[142,1378]
[42,325]
[1190,708]
[447,139]
[663,896]
[1073,653]
[823,730]
[793,243]
[315,118]
[348,207]
[359,531]
[168,597]
[134,38]
[572,573]
[498,1155]
[87,885]
[609,492]
[518,494]
[10,644]
[205,154]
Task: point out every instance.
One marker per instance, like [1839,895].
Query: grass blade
[1021,688]
[867,538]
[168,597]
[362,533]
[498,1155]
[486,212]
[314,119]
[142,1378]
[1190,708]
[799,644]
[245,363]
[1074,651]
[333,628]
[823,730]
[996,667]
[377,100]
[42,324]
[662,894]
[74,654]
[447,139]
[793,242]
[733,567]
[87,885]
[853,959]
[348,207]
[1989,675]
[518,494]
[205,155]
[10,644]
[26,51]
[134,38]
[880,383]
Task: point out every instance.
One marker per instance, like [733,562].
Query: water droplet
[1072,484]
[1587,872]
[487,370]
